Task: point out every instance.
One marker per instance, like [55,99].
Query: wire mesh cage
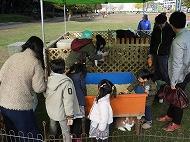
[15,47]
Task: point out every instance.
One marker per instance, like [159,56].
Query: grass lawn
[55,29]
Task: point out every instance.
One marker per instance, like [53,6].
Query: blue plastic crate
[114,77]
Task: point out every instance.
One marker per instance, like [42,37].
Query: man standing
[178,67]
[161,40]
[144,24]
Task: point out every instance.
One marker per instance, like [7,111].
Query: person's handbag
[177,97]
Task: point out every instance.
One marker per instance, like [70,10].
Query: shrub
[49,15]
[14,18]
[58,14]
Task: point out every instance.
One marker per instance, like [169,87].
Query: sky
[129,6]
[160,0]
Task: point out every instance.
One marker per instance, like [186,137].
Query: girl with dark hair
[147,81]
[101,114]
[36,45]
[78,73]
[21,74]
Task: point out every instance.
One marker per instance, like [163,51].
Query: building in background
[169,4]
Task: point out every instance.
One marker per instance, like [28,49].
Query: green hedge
[13,18]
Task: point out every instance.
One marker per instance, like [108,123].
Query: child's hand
[146,91]
[100,131]
[126,92]
[105,54]
[70,122]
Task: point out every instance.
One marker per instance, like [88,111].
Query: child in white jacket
[101,114]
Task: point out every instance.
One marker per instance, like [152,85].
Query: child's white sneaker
[147,125]
[161,101]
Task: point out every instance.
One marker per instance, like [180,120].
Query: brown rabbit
[123,123]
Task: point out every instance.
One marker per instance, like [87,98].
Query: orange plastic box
[123,105]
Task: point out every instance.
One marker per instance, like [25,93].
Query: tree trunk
[2,7]
[69,17]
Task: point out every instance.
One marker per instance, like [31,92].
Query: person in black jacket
[78,73]
[161,40]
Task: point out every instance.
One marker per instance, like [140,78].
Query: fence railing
[116,136]
[142,37]
[122,58]
[11,136]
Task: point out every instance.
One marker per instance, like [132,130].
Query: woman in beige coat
[20,74]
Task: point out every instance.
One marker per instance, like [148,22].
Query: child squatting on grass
[61,100]
[101,114]
[146,80]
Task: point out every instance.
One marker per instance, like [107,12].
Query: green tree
[149,4]
[138,6]
[78,8]
[186,3]
[98,7]
[23,7]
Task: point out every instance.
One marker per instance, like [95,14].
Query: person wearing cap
[144,24]
[155,25]
[86,51]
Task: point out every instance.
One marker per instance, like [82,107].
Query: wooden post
[138,125]
[122,41]
[137,40]
[118,41]
[146,41]
[132,40]
[142,41]
[127,40]
[83,124]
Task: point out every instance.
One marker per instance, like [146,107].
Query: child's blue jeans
[148,115]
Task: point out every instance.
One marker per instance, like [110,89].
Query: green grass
[55,29]
[157,110]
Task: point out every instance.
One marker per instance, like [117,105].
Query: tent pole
[143,7]
[143,13]
[42,19]
[178,5]
[43,37]
[65,19]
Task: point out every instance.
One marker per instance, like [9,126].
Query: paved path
[9,25]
